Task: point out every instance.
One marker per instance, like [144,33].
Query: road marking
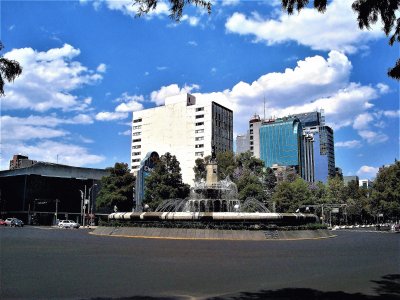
[207,239]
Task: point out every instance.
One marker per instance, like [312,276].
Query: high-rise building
[21,161]
[242,143]
[254,135]
[281,143]
[187,127]
[313,123]
[324,153]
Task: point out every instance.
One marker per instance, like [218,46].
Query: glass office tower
[281,143]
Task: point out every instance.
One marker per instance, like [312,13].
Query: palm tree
[9,69]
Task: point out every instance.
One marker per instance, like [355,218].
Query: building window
[199,153]
[199,123]
[200,109]
[137,120]
[200,146]
[251,131]
[136,140]
[136,160]
[199,116]
[200,138]
[136,147]
[251,143]
[135,153]
[135,167]
[199,131]
[136,127]
[251,137]
[136,133]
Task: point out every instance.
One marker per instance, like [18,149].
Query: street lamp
[90,207]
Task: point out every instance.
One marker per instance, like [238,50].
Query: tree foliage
[9,70]
[385,194]
[116,189]
[176,6]
[249,174]
[165,182]
[368,13]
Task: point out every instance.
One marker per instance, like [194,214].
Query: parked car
[14,222]
[2,222]
[68,224]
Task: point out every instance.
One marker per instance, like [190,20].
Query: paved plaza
[51,263]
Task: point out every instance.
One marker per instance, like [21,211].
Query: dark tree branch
[176,7]
[9,70]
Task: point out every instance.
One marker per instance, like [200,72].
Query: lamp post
[90,207]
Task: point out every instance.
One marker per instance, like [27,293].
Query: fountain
[213,201]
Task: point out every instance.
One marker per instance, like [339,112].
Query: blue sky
[87,65]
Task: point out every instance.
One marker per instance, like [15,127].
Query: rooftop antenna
[264,106]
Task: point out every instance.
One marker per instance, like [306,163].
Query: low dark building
[45,192]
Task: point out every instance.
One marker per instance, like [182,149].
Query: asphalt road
[49,263]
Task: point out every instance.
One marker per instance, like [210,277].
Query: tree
[9,70]
[385,194]
[176,6]
[199,169]
[116,189]
[226,164]
[165,182]
[368,13]
[335,188]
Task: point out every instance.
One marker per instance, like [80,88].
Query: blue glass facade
[280,143]
[146,167]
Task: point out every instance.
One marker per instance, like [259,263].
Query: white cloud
[373,137]
[193,43]
[11,27]
[391,113]
[146,73]
[158,97]
[367,171]
[130,103]
[230,2]
[383,88]
[336,29]
[362,121]
[193,21]
[126,132]
[29,134]
[47,151]
[102,68]
[162,68]
[349,144]
[315,83]
[37,127]
[111,116]
[48,80]
[127,7]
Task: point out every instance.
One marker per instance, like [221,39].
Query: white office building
[186,126]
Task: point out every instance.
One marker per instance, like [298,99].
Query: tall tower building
[242,143]
[313,123]
[187,127]
[281,144]
[254,135]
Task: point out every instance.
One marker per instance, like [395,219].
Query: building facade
[281,143]
[21,161]
[46,192]
[187,127]
[242,143]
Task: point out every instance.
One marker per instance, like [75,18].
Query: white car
[68,224]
